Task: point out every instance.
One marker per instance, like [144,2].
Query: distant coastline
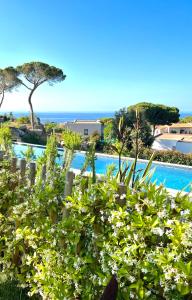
[60,117]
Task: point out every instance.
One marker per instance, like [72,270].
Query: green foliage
[145,240]
[5,139]
[33,138]
[108,131]
[69,247]
[129,117]
[51,152]
[8,81]
[29,154]
[187,119]
[39,72]
[23,120]
[95,137]
[90,161]
[169,156]
[105,121]
[34,74]
[71,140]
[157,114]
[10,291]
[49,127]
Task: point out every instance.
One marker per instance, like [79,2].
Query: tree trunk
[154,127]
[31,109]
[2,98]
[136,148]
[119,154]
[136,158]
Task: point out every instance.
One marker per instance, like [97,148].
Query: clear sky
[114,53]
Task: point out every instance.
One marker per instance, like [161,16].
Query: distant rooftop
[85,121]
[177,125]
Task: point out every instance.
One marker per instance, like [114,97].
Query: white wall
[164,144]
[79,128]
[160,144]
[185,147]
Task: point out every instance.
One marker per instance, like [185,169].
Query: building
[177,128]
[174,137]
[86,127]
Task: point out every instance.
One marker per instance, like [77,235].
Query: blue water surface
[172,177]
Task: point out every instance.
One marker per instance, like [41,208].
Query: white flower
[177,278]
[148,293]
[132,296]
[162,214]
[170,222]
[83,209]
[68,204]
[123,196]
[52,230]
[185,212]
[144,270]
[158,231]
[138,208]
[131,278]
[119,224]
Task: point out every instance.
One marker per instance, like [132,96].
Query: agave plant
[90,161]
[71,142]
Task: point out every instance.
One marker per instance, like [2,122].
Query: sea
[61,117]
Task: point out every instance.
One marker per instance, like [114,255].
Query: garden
[82,237]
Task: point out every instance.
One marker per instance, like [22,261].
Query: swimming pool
[171,176]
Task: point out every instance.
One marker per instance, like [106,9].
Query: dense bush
[23,120]
[169,156]
[5,138]
[50,127]
[10,291]
[69,248]
[63,247]
[187,119]
[34,138]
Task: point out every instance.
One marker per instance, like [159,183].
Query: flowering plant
[69,247]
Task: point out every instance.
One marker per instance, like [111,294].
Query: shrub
[23,120]
[5,139]
[71,140]
[63,246]
[69,248]
[50,127]
[33,138]
[169,156]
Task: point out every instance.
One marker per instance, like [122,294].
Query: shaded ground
[10,291]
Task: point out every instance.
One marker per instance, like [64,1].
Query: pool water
[172,177]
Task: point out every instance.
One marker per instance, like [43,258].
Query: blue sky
[114,53]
